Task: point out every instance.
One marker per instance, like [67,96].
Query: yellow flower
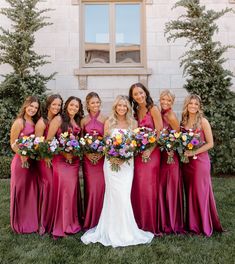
[119,140]
[41,139]
[176,134]
[190,146]
[152,139]
[184,137]
[136,130]
[118,136]
[65,134]
[133,142]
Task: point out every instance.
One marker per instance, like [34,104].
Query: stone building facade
[84,64]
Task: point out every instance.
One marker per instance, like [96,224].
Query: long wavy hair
[134,104]
[185,113]
[113,119]
[47,105]
[88,98]
[66,124]
[29,100]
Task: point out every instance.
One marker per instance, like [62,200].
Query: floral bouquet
[145,138]
[92,144]
[170,141]
[46,149]
[69,144]
[189,141]
[119,147]
[26,148]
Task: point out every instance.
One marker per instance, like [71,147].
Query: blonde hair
[113,119]
[168,93]
[185,113]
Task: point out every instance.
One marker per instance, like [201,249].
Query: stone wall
[61,42]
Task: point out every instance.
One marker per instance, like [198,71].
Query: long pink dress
[201,213]
[67,195]
[145,185]
[46,209]
[171,207]
[24,192]
[94,185]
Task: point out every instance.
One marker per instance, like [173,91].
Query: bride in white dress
[117,226]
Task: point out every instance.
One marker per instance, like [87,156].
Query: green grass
[168,249]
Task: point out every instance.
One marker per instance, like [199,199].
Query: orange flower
[152,139]
[190,146]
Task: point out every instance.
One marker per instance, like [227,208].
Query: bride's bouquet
[26,148]
[145,138]
[121,146]
[69,144]
[92,144]
[170,141]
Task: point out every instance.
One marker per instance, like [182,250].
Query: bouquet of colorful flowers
[170,141]
[26,148]
[92,144]
[189,141]
[145,138]
[69,143]
[46,149]
[119,147]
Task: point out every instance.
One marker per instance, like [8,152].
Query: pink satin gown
[67,195]
[94,185]
[46,209]
[24,193]
[170,196]
[201,212]
[145,186]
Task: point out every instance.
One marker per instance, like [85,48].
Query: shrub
[5,167]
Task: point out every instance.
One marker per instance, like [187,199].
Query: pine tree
[203,66]
[16,49]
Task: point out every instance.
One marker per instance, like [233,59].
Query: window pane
[127,33]
[96,34]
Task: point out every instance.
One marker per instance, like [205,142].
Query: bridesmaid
[67,196]
[52,109]
[201,213]
[146,175]
[24,192]
[93,163]
[171,208]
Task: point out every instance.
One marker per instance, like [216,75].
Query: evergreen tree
[16,49]
[203,66]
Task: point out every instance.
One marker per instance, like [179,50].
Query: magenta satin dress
[145,185]
[45,182]
[67,195]
[170,195]
[201,212]
[94,185]
[24,193]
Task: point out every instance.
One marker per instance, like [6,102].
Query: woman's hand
[189,153]
[48,162]
[94,157]
[24,162]
[116,161]
[68,157]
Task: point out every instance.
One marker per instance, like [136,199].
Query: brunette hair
[65,116]
[48,103]
[134,104]
[88,98]
[29,100]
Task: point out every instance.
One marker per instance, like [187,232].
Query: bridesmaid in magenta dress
[171,208]
[24,191]
[67,195]
[146,175]
[93,163]
[201,213]
[45,181]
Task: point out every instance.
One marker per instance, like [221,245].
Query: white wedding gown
[117,226]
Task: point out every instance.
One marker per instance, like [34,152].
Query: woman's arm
[54,126]
[106,128]
[208,137]
[16,128]
[157,118]
[40,128]
[173,121]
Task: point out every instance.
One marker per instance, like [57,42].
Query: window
[112,34]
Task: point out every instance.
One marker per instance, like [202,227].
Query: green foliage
[203,66]
[5,167]
[16,49]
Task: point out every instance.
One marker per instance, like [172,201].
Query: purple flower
[195,141]
[94,145]
[74,143]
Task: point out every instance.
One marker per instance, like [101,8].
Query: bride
[117,226]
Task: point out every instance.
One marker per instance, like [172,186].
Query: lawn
[167,249]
